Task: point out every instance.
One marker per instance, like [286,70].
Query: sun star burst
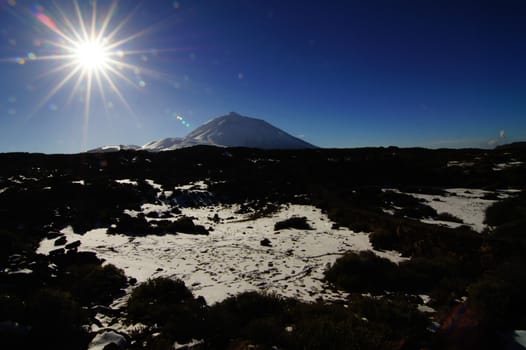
[89,48]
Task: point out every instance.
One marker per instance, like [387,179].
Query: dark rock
[216,218]
[73,245]
[265,242]
[176,210]
[299,223]
[53,234]
[60,241]
[56,252]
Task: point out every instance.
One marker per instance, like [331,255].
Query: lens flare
[181,119]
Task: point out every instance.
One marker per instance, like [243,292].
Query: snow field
[469,205]
[231,259]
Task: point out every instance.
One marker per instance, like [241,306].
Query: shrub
[263,320]
[366,272]
[184,225]
[94,284]
[418,211]
[139,226]
[507,210]
[169,304]
[11,308]
[395,319]
[498,298]
[132,226]
[508,237]
[299,223]
[247,316]
[384,238]
[10,243]
[321,326]
[55,309]
[56,319]
[362,271]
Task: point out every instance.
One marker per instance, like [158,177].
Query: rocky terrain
[237,248]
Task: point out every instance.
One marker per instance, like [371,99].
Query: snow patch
[154,185]
[127,182]
[189,345]
[193,186]
[520,337]
[502,166]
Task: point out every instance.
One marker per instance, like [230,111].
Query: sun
[92,55]
[88,45]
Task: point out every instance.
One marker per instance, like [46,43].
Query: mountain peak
[236,130]
[231,130]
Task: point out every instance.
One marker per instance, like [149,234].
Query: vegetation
[268,321]
[42,194]
[498,297]
[169,304]
[48,316]
[139,226]
[366,272]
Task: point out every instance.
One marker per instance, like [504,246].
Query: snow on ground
[148,208]
[192,344]
[502,166]
[194,186]
[106,338]
[520,337]
[154,185]
[461,164]
[469,205]
[231,259]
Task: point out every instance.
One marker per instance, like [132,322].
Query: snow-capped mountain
[163,143]
[115,148]
[232,130]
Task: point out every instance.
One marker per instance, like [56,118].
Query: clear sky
[432,73]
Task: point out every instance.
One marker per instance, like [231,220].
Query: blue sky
[336,73]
